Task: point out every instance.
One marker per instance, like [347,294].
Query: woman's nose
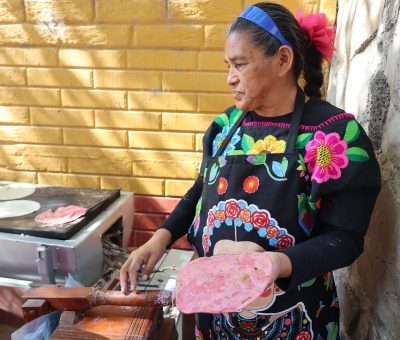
[232,78]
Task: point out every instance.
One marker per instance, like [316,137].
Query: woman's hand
[143,259]
[281,265]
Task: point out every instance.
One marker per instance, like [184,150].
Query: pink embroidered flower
[232,209]
[325,156]
[210,219]
[304,335]
[259,219]
[284,241]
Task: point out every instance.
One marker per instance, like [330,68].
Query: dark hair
[306,58]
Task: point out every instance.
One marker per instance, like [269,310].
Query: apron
[256,197]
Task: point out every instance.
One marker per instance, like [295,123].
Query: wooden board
[94,200]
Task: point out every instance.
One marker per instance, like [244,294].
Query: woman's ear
[286,60]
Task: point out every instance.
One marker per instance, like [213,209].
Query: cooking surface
[52,198]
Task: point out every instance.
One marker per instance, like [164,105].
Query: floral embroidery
[278,168]
[196,221]
[250,184]
[239,213]
[269,145]
[219,139]
[222,186]
[325,156]
[304,335]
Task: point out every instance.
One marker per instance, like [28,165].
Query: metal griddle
[94,200]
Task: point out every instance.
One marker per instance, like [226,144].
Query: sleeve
[181,218]
[344,184]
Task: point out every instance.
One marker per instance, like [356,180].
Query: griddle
[94,200]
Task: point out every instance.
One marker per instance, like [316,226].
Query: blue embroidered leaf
[257,159]
[284,164]
[302,140]
[277,169]
[352,131]
[222,120]
[247,143]
[234,116]
[308,283]
[357,154]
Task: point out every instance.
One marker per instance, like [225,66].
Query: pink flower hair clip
[321,35]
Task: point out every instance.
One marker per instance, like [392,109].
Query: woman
[283,173]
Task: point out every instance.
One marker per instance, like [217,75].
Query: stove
[43,255]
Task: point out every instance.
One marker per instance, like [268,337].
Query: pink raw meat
[61,215]
[222,283]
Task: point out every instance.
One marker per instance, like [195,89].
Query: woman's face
[252,74]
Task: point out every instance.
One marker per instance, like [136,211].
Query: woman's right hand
[143,259]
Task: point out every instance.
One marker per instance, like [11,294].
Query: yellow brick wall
[113,93]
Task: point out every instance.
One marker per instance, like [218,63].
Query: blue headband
[262,19]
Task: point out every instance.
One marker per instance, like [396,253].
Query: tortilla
[18,208]
[222,283]
[15,191]
[61,216]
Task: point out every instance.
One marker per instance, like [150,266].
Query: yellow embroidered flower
[269,145]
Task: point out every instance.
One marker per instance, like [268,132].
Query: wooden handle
[83,298]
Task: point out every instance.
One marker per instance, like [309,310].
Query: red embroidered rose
[259,219]
[304,335]
[245,215]
[232,209]
[288,322]
[250,184]
[220,215]
[210,219]
[272,231]
[222,186]
[284,242]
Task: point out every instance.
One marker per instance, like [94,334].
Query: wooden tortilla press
[107,313]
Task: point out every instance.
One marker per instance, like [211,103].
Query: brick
[68,11]
[182,243]
[29,96]
[161,101]
[139,237]
[37,163]
[59,77]
[162,59]
[170,36]
[329,8]
[97,35]
[199,142]
[149,204]
[195,81]
[29,56]
[31,134]
[128,119]
[186,121]
[96,137]
[177,188]
[92,58]
[93,98]
[211,61]
[78,181]
[17,176]
[165,169]
[147,221]
[90,35]
[142,186]
[61,117]
[12,76]
[11,11]
[214,102]
[293,5]
[99,166]
[204,10]
[137,11]
[14,115]
[139,80]
[215,36]
[161,140]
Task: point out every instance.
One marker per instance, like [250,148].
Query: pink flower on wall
[325,156]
